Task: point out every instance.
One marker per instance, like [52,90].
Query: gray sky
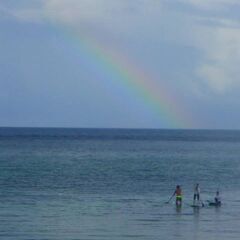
[53,75]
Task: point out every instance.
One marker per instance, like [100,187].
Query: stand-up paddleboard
[214,204]
[197,205]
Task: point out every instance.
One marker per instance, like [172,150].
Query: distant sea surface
[112,184]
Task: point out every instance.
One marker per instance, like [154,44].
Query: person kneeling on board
[217,198]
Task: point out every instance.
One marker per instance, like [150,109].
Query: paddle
[170,198]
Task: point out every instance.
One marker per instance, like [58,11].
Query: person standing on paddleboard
[196,195]
[178,193]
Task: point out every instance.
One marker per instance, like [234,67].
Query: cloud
[211,4]
[220,67]
[123,17]
[22,11]
[217,38]
[216,33]
[112,16]
[73,11]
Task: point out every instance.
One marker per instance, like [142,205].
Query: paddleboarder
[196,195]
[217,198]
[178,194]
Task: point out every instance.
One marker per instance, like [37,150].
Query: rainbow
[155,96]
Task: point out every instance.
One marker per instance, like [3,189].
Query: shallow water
[113,184]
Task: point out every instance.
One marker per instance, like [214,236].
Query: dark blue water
[113,183]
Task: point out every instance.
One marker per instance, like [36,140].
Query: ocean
[100,184]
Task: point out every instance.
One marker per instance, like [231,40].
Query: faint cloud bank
[220,44]
[212,4]
[218,37]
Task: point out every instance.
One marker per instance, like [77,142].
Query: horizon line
[124,128]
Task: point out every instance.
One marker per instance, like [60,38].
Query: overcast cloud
[200,39]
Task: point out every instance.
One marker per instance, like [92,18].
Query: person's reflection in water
[178,209]
[196,213]
[196,221]
[177,231]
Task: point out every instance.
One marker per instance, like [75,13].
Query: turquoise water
[113,184]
